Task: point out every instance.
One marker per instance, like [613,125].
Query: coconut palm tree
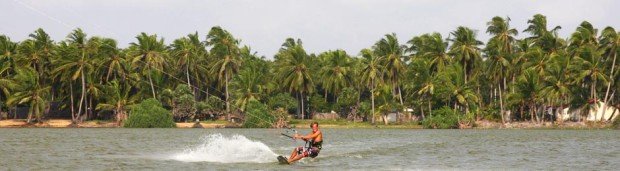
[433,47]
[528,86]
[336,72]
[610,43]
[188,51]
[465,49]
[424,81]
[148,54]
[556,87]
[391,54]
[455,89]
[225,51]
[292,69]
[247,86]
[112,61]
[30,92]
[371,75]
[117,97]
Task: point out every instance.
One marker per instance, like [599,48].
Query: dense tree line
[504,79]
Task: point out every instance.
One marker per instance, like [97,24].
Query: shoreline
[66,123]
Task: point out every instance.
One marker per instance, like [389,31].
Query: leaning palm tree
[225,51]
[30,92]
[148,54]
[292,70]
[371,75]
[610,43]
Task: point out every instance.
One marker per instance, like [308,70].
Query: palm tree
[247,86]
[225,51]
[81,65]
[465,49]
[7,51]
[424,81]
[528,86]
[30,92]
[432,47]
[149,51]
[455,89]
[336,73]
[610,43]
[112,61]
[556,87]
[292,70]
[188,51]
[118,98]
[371,75]
[391,53]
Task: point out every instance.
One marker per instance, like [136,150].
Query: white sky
[321,24]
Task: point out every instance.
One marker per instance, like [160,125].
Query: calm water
[343,149]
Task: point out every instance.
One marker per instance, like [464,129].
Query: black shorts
[312,152]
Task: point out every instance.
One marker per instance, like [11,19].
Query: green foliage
[348,97]
[444,118]
[149,114]
[214,103]
[184,107]
[282,100]
[365,109]
[319,104]
[257,116]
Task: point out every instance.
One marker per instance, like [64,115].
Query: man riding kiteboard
[315,140]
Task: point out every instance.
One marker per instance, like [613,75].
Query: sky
[322,25]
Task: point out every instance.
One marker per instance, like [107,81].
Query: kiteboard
[282,160]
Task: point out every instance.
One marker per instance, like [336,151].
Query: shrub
[184,103]
[318,104]
[257,115]
[149,114]
[282,100]
[443,118]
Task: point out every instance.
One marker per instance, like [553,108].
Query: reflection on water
[348,149]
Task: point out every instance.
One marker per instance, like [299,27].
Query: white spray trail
[221,149]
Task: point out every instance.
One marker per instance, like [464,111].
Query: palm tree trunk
[465,70]
[501,104]
[422,111]
[303,113]
[30,111]
[430,110]
[83,93]
[227,96]
[152,86]
[73,117]
[611,73]
[372,101]
[188,81]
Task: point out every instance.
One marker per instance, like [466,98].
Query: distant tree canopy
[503,78]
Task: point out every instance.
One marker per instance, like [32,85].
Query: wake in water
[221,149]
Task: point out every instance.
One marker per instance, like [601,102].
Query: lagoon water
[343,149]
